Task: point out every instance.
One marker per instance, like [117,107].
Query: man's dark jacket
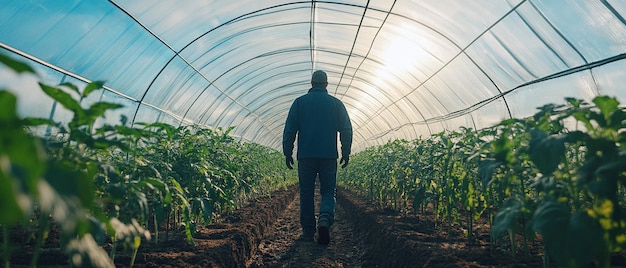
[316,117]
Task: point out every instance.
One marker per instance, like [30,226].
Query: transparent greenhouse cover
[404,69]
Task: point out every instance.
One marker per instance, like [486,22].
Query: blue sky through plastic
[404,69]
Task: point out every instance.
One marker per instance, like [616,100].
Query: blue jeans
[308,170]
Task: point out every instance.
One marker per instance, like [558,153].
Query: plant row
[116,184]
[559,174]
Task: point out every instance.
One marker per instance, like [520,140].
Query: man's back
[317,117]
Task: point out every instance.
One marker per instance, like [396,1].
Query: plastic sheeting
[404,69]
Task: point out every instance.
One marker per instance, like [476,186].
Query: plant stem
[470,227]
[546,257]
[512,239]
[524,239]
[136,244]
[156,229]
[132,260]
[6,253]
[113,248]
[167,225]
[44,227]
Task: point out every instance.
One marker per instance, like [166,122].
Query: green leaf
[129,131]
[574,102]
[551,220]
[99,108]
[576,137]
[8,107]
[583,117]
[501,148]
[189,229]
[15,65]
[585,241]
[159,212]
[91,87]
[546,151]
[622,139]
[607,105]
[618,120]
[207,209]
[587,173]
[612,169]
[117,192]
[511,121]
[507,217]
[62,97]
[31,121]
[486,169]
[157,183]
[599,118]
[169,129]
[23,154]
[72,87]
[573,240]
[142,201]
[419,197]
[72,181]
[123,119]
[97,229]
[168,198]
[10,210]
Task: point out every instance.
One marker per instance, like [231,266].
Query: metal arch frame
[296,50]
[273,53]
[177,54]
[239,65]
[270,120]
[262,55]
[223,54]
[366,92]
[211,83]
[313,6]
[201,118]
[503,94]
[588,66]
[244,79]
[366,57]
[462,51]
[567,72]
[480,104]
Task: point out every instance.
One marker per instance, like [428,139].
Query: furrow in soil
[281,246]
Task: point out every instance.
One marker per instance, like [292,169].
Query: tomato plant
[559,173]
[119,184]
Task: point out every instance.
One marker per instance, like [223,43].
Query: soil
[265,233]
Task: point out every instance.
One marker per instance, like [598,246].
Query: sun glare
[398,54]
[401,54]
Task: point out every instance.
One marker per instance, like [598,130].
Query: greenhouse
[133,132]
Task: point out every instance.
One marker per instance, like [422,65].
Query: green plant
[35,185]
[110,183]
[506,173]
[588,215]
[559,174]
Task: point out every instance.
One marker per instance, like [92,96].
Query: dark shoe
[324,234]
[306,238]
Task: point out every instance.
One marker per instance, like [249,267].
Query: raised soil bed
[265,232]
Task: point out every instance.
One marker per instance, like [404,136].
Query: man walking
[315,118]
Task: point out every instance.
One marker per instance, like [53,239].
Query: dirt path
[362,236]
[281,247]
